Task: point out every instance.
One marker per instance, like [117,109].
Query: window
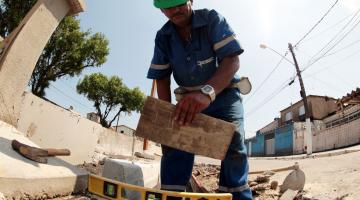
[302,113]
[302,110]
[288,116]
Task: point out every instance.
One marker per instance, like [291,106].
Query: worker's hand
[191,104]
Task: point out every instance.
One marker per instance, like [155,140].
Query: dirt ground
[208,175]
[327,178]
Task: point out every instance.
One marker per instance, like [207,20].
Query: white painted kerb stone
[141,173]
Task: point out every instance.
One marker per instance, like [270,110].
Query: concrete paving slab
[20,177]
[289,195]
[141,173]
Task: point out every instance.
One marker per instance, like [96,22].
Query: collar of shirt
[197,21]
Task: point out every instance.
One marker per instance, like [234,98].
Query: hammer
[37,154]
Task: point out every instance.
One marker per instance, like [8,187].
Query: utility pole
[306,106]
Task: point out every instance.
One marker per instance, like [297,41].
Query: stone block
[289,195]
[144,174]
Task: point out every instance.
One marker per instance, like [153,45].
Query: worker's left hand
[191,104]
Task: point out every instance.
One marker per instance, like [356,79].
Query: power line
[342,60]
[282,87]
[66,84]
[322,18]
[270,97]
[74,100]
[347,46]
[333,46]
[267,77]
[330,27]
[336,35]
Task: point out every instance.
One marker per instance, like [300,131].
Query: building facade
[123,129]
[335,124]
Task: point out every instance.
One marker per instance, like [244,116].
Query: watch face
[207,89]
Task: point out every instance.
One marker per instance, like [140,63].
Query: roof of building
[309,96]
[123,126]
[353,97]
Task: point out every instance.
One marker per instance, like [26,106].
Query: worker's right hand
[191,104]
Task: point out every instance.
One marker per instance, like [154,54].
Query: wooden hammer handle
[58,152]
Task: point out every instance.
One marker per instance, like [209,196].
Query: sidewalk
[329,153]
[268,163]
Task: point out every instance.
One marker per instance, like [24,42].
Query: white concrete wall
[124,130]
[299,137]
[340,136]
[326,139]
[51,126]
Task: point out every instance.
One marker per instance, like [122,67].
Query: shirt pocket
[205,56]
[205,65]
[201,63]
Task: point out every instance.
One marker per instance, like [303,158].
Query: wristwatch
[209,91]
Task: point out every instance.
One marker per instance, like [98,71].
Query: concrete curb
[23,178]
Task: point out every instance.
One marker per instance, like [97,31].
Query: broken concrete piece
[273,185]
[295,181]
[262,178]
[2,197]
[76,6]
[260,187]
[289,195]
[144,155]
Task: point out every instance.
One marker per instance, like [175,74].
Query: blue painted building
[275,142]
[284,140]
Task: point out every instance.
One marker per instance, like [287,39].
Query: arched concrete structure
[19,53]
[22,49]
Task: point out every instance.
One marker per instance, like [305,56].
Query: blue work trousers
[176,165]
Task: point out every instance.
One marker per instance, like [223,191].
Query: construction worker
[200,49]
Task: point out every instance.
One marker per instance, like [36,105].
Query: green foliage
[110,94]
[11,13]
[68,52]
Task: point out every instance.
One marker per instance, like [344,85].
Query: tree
[110,94]
[68,52]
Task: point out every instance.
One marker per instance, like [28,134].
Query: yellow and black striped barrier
[112,189]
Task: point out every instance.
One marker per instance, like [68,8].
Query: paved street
[327,177]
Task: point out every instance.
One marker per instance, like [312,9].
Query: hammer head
[32,153]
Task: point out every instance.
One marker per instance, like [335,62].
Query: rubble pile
[207,176]
[263,188]
[93,168]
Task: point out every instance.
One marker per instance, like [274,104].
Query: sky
[329,55]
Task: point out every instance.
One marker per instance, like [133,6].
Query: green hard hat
[168,3]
